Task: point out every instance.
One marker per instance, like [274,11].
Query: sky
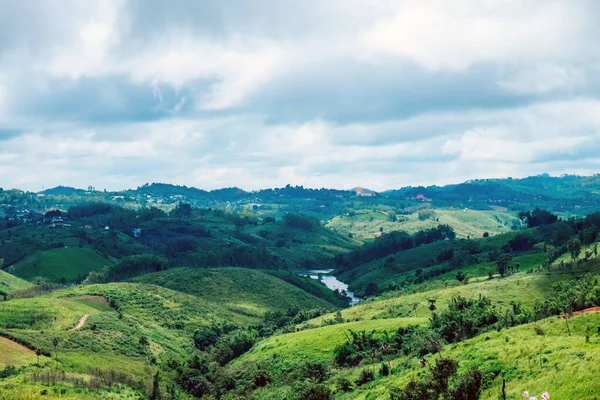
[261,93]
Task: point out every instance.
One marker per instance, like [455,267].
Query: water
[331,282]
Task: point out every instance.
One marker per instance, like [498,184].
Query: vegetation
[198,295]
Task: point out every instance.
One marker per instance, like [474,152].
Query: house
[421,197]
[362,192]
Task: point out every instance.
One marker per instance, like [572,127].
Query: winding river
[325,276]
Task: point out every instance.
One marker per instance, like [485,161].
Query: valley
[297,294]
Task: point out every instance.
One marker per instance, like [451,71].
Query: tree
[155,393]
[392,216]
[574,247]
[38,353]
[537,217]
[93,328]
[55,343]
[371,290]
[502,263]
[461,276]
[550,253]
[486,234]
[432,306]
[93,278]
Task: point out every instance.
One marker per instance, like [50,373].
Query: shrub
[538,330]
[384,370]
[315,392]
[468,386]
[233,345]
[366,376]
[344,384]
[315,371]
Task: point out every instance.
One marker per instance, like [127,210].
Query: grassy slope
[569,365]
[306,248]
[528,261]
[310,285]
[516,351]
[9,283]
[521,287]
[246,291]
[375,271]
[473,223]
[406,262]
[317,344]
[166,317]
[12,353]
[71,263]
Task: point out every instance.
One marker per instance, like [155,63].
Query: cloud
[455,34]
[543,78]
[377,93]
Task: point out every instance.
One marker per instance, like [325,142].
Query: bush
[205,337]
[344,384]
[538,330]
[468,386]
[316,392]
[233,345]
[384,370]
[366,376]
[315,371]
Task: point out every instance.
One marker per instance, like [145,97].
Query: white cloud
[455,34]
[543,78]
[341,93]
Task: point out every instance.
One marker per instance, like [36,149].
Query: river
[331,282]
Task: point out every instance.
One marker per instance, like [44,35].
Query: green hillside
[246,291]
[537,357]
[367,223]
[62,264]
[522,287]
[317,344]
[480,271]
[302,248]
[399,268]
[10,283]
[564,365]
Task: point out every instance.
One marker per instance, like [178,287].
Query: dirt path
[587,310]
[80,323]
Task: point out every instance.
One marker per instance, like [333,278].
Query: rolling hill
[367,224]
[10,283]
[246,291]
[63,264]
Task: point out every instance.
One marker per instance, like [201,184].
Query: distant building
[362,192]
[421,197]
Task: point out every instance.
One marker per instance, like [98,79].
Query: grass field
[316,345]
[12,353]
[521,287]
[69,263]
[10,283]
[542,359]
[528,261]
[565,366]
[366,224]
[240,290]
[305,248]
[405,263]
